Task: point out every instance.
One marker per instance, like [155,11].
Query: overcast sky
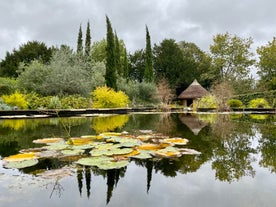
[56,22]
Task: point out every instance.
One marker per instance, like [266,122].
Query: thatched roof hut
[194,91]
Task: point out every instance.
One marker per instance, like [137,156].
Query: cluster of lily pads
[105,151]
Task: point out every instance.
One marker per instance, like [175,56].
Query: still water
[236,167]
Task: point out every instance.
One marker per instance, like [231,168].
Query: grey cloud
[57,22]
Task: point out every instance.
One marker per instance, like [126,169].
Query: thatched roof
[195,90]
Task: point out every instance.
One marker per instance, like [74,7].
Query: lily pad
[125,142]
[57,146]
[72,152]
[186,151]
[21,157]
[143,154]
[20,164]
[80,141]
[168,152]
[110,152]
[93,161]
[48,154]
[176,141]
[152,146]
[48,140]
[109,165]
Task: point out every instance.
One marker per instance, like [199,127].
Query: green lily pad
[110,152]
[168,152]
[57,146]
[72,152]
[93,161]
[144,154]
[125,142]
[20,164]
[109,165]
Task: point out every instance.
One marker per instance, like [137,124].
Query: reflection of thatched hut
[194,91]
[193,123]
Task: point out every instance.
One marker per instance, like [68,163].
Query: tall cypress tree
[117,55]
[87,40]
[79,46]
[125,65]
[110,75]
[148,75]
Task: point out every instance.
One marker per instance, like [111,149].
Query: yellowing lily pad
[152,146]
[143,154]
[20,164]
[80,141]
[48,140]
[20,157]
[168,152]
[176,141]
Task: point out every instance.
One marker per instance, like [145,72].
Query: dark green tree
[117,55]
[110,75]
[125,67]
[32,50]
[148,76]
[169,63]
[137,65]
[79,44]
[87,40]
[198,64]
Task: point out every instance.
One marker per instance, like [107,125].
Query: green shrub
[55,103]
[105,97]
[36,101]
[258,103]
[208,101]
[7,86]
[16,99]
[235,103]
[75,102]
[4,106]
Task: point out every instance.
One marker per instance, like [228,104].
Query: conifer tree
[117,55]
[87,40]
[79,46]
[110,75]
[148,75]
[125,65]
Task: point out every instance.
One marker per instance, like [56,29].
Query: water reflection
[231,143]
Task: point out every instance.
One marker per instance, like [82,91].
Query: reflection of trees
[232,154]
[166,124]
[112,176]
[109,123]
[267,146]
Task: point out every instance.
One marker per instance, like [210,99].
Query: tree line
[61,70]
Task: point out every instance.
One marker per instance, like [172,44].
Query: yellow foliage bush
[105,97]
[16,99]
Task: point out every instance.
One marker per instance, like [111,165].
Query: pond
[234,163]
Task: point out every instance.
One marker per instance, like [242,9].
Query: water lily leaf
[143,154]
[93,161]
[83,147]
[80,141]
[93,137]
[109,134]
[152,146]
[21,157]
[48,140]
[31,150]
[186,151]
[109,165]
[72,152]
[20,164]
[57,146]
[110,151]
[107,146]
[168,152]
[125,142]
[48,154]
[176,141]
